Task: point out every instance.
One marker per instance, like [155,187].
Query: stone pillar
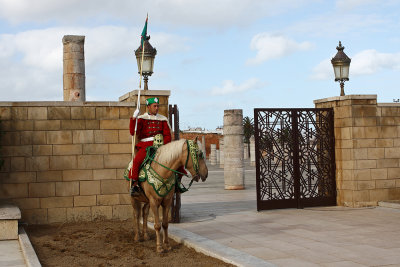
[252,151]
[233,149]
[74,68]
[213,154]
[366,149]
[163,95]
[245,151]
[203,145]
[218,156]
[221,152]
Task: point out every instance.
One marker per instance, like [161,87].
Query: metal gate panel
[294,158]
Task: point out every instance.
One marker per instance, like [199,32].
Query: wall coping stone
[9,212]
[65,104]
[389,104]
[145,93]
[346,97]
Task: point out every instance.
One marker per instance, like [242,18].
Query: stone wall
[367,149]
[64,161]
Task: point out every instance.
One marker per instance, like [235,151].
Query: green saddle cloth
[161,186]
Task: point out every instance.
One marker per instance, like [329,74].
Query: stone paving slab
[11,254]
[320,236]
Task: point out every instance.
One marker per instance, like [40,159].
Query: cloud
[366,62]
[31,61]
[270,46]
[371,61]
[229,87]
[351,4]
[223,13]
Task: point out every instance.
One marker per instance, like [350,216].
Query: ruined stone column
[252,151]
[74,68]
[218,156]
[221,152]
[213,154]
[203,146]
[245,151]
[233,149]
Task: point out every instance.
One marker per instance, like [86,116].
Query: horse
[167,160]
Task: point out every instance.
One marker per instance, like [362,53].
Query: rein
[193,156]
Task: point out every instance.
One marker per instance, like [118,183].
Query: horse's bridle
[195,155]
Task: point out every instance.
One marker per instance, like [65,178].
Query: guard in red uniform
[148,125]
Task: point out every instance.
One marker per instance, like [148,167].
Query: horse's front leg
[136,219]
[157,226]
[145,214]
[166,206]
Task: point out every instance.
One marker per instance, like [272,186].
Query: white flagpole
[138,102]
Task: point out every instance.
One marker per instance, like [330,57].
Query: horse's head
[196,163]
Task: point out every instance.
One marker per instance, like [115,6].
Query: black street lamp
[148,61]
[341,66]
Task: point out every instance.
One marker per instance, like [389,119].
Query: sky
[212,55]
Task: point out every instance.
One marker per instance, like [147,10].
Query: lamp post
[341,66]
[148,61]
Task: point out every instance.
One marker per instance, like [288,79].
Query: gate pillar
[233,149]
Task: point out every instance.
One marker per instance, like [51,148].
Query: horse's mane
[170,151]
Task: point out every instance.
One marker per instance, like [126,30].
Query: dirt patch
[107,243]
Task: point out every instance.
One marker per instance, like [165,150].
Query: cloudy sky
[212,55]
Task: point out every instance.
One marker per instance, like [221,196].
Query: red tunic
[147,126]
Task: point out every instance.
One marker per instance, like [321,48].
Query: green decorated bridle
[195,155]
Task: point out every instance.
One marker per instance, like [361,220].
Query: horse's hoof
[160,249]
[136,238]
[146,237]
[167,247]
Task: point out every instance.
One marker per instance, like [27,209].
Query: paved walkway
[324,236]
[11,254]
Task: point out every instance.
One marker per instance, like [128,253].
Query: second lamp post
[341,66]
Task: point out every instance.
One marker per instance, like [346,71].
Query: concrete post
[252,151]
[233,149]
[74,68]
[203,145]
[221,152]
[213,154]
[218,156]
[245,151]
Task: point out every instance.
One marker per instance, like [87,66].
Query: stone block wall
[64,161]
[367,149]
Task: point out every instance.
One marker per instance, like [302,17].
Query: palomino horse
[168,157]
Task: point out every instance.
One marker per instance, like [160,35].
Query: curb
[216,250]
[389,204]
[28,252]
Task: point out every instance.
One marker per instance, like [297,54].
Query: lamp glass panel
[337,70]
[345,71]
[147,64]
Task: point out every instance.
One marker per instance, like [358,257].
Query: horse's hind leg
[157,226]
[145,214]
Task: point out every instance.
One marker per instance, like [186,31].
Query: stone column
[221,152]
[245,151]
[252,151]
[233,149]
[74,68]
[218,156]
[213,154]
[203,145]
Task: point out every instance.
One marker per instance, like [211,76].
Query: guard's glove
[136,113]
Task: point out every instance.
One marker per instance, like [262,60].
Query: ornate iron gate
[173,116]
[295,158]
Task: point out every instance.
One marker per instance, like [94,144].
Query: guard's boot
[135,190]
